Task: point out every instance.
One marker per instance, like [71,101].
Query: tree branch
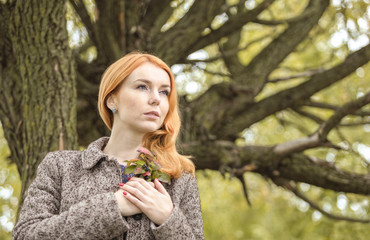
[245,189]
[297,145]
[235,23]
[309,73]
[313,205]
[298,167]
[227,53]
[213,73]
[333,107]
[81,11]
[313,117]
[271,56]
[250,80]
[232,61]
[319,138]
[354,124]
[296,95]
[341,113]
[158,13]
[283,21]
[186,31]
[109,39]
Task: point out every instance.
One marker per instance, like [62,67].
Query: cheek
[130,102]
[166,107]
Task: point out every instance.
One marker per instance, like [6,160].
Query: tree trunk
[43,117]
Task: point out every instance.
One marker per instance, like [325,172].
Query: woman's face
[142,100]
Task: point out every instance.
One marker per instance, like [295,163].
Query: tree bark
[43,116]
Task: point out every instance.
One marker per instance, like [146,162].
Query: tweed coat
[72,197]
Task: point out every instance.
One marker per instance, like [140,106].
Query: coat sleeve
[95,218]
[185,221]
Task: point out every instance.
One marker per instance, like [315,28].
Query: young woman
[85,195]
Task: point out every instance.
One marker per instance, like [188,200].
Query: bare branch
[227,53]
[81,11]
[333,107]
[212,73]
[341,113]
[354,124]
[319,138]
[302,129]
[297,145]
[235,23]
[283,21]
[350,149]
[232,61]
[158,13]
[245,189]
[273,54]
[321,105]
[296,95]
[315,206]
[297,167]
[309,115]
[205,10]
[309,73]
[111,40]
[252,78]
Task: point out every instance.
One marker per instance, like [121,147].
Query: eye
[165,92]
[142,87]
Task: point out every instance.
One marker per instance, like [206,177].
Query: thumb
[158,185]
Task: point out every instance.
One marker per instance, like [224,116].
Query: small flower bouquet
[146,166]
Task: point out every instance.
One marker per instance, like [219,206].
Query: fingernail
[125,193]
[121,184]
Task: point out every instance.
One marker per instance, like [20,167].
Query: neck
[123,145]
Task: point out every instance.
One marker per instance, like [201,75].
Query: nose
[154,99]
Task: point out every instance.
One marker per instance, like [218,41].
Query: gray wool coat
[72,197]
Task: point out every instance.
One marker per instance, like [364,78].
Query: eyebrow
[149,82]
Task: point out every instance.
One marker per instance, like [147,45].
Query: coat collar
[93,153]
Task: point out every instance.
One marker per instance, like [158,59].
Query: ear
[111,101]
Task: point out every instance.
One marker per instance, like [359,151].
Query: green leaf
[140,163]
[164,177]
[154,166]
[129,169]
[155,174]
[139,170]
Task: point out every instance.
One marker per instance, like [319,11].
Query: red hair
[161,141]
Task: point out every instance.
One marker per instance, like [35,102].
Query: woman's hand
[125,206]
[154,202]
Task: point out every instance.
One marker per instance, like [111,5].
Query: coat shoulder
[60,159]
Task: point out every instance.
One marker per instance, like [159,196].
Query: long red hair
[161,141]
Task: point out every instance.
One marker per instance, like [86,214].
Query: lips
[153,113]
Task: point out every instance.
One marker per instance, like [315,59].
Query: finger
[147,185]
[135,190]
[133,200]
[158,185]
[136,179]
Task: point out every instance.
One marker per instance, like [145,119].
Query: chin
[148,129]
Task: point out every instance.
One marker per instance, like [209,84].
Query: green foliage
[146,166]
[275,214]
[10,188]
